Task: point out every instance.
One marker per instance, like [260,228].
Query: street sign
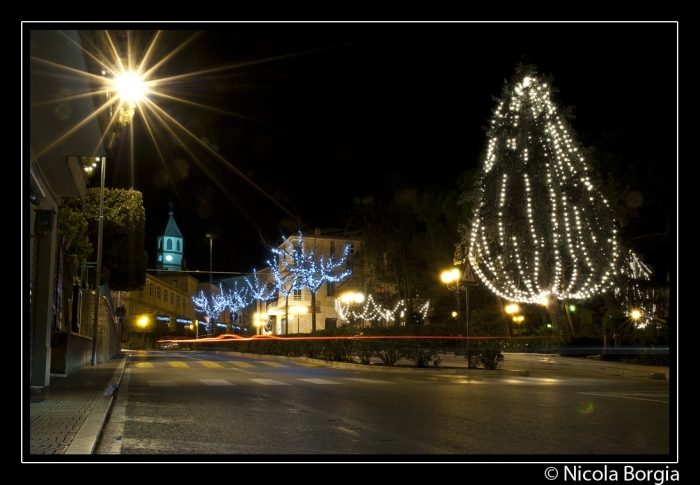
[468,277]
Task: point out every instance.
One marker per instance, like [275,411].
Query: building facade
[64,129]
[296,303]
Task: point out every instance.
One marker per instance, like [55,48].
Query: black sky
[316,115]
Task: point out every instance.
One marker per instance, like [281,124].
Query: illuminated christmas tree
[542,231]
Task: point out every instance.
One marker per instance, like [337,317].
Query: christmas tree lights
[542,229]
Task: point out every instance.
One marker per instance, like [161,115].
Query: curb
[382,368]
[593,368]
[89,433]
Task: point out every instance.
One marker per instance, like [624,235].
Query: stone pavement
[67,417]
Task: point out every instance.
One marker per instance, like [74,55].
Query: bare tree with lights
[233,299]
[309,270]
[542,230]
[285,281]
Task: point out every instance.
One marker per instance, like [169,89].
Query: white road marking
[269,382]
[318,381]
[216,382]
[632,395]
[368,381]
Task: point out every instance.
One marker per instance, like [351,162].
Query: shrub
[422,355]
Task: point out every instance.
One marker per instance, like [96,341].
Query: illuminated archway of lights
[131,85]
[542,230]
[372,311]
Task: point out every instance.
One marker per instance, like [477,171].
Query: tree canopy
[124,257]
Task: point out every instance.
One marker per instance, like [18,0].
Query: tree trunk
[313,312]
[557,315]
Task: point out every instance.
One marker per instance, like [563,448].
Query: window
[150,289]
[330,288]
[178,244]
[165,296]
[172,299]
[158,292]
[170,244]
[332,250]
[297,295]
[351,248]
[178,301]
[183,304]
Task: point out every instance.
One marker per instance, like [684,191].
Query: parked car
[166,345]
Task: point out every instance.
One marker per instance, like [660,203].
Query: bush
[422,355]
[486,352]
[364,350]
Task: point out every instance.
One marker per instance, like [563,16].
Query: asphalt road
[205,405]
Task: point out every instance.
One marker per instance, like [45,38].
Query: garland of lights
[233,299]
[308,270]
[259,291]
[373,311]
[541,228]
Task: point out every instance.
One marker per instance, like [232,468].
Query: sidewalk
[67,416]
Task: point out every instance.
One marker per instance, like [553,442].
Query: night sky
[304,121]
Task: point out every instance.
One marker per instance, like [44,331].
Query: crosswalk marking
[242,364]
[271,364]
[161,383]
[211,365]
[368,381]
[319,381]
[174,363]
[144,365]
[304,364]
[269,382]
[216,382]
[634,396]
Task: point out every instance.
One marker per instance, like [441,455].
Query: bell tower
[170,245]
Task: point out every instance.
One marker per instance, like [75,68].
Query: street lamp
[259,320]
[351,297]
[451,279]
[514,309]
[98,270]
[130,89]
[211,237]
[298,311]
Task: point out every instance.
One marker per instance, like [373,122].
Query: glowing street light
[451,279]
[351,297]
[129,88]
[259,320]
[298,311]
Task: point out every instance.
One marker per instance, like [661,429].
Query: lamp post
[130,89]
[514,309]
[211,237]
[98,269]
[451,279]
[258,320]
[298,311]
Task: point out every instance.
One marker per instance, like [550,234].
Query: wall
[69,352]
